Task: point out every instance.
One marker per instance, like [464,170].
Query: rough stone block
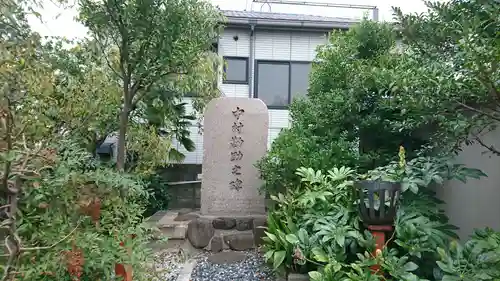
[200,232]
[239,241]
[243,224]
[224,223]
[179,232]
[216,244]
[174,231]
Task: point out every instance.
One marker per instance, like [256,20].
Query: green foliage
[279,243]
[158,51]
[431,94]
[350,97]
[305,218]
[159,196]
[323,209]
[65,212]
[87,101]
[449,80]
[478,259]
[76,180]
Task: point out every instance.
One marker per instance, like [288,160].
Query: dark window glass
[300,79]
[236,70]
[273,83]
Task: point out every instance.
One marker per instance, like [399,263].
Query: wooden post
[378,232]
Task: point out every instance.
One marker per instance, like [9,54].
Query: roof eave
[326,25]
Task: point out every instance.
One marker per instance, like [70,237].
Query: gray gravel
[165,266]
[253,268]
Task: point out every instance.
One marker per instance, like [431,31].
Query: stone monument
[232,209]
[234,139]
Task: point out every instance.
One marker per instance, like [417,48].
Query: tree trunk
[120,158]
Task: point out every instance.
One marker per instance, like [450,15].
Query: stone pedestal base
[215,233]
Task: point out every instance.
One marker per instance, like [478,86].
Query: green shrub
[348,116]
[478,259]
[336,246]
[59,213]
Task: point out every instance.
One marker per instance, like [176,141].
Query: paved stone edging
[187,269]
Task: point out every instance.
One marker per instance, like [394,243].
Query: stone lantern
[378,206]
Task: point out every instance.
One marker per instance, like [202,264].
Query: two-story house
[268,56]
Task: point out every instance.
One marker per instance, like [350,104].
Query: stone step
[174,223]
[175,232]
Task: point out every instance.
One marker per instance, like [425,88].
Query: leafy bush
[348,116]
[460,101]
[478,259]
[366,97]
[335,245]
[77,207]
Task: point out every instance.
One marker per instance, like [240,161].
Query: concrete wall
[185,195]
[281,45]
[475,204]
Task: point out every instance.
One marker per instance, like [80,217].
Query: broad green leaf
[410,266]
[319,255]
[278,259]
[292,239]
[315,276]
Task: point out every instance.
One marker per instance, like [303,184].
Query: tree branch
[137,86]
[103,49]
[28,249]
[55,244]
[477,137]
[479,111]
[123,32]
[489,147]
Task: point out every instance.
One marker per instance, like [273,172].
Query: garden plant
[428,83]
[65,213]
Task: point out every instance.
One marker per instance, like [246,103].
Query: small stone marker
[234,139]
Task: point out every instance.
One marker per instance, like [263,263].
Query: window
[273,85]
[300,79]
[236,70]
[278,82]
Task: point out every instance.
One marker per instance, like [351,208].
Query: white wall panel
[278,118]
[315,40]
[272,45]
[273,133]
[263,47]
[230,47]
[239,48]
[235,90]
[300,46]
[281,45]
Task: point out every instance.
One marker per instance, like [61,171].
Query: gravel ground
[253,268]
[166,265]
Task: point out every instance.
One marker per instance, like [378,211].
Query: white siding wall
[268,45]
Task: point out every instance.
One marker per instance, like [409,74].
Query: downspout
[375,14]
[251,62]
